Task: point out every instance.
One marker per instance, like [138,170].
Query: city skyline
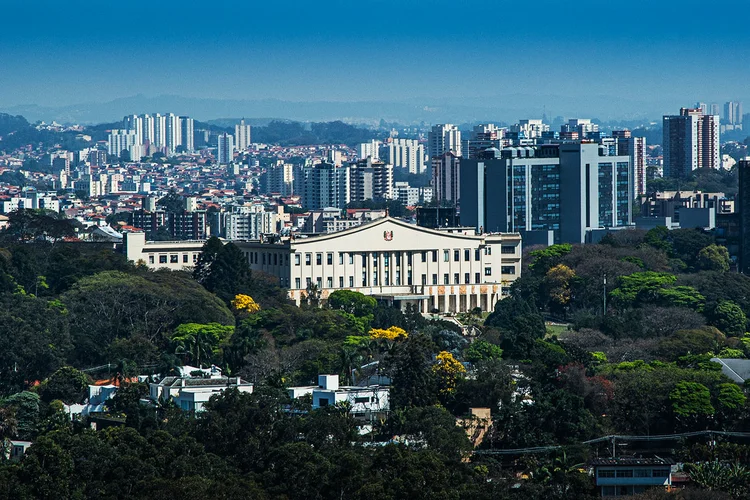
[612,62]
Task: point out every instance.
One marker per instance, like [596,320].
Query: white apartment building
[369,149]
[249,225]
[242,137]
[443,138]
[407,154]
[529,129]
[173,133]
[160,132]
[163,133]
[690,141]
[187,129]
[31,201]
[124,140]
[482,136]
[280,178]
[324,185]
[405,194]
[398,263]
[370,180]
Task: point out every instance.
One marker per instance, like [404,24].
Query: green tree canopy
[355,303]
[481,350]
[691,399]
[730,397]
[546,258]
[113,305]
[713,258]
[410,366]
[520,323]
[642,287]
[199,343]
[729,318]
[35,340]
[67,384]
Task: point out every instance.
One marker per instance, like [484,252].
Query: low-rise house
[16,450]
[191,393]
[616,477]
[366,403]
[476,424]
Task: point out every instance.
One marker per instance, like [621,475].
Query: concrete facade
[398,263]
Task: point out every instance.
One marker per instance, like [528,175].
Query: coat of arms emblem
[387,235]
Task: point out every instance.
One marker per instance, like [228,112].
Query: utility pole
[604,296]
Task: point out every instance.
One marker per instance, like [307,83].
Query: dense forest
[288,133]
[613,338]
[293,133]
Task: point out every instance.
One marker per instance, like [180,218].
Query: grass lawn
[556,329]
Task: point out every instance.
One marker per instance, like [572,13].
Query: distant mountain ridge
[410,111]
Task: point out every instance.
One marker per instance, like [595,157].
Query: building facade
[743,209]
[619,477]
[444,138]
[186,225]
[529,129]
[225,151]
[407,154]
[187,134]
[398,263]
[733,113]
[569,189]
[172,255]
[691,141]
[249,226]
[324,185]
[279,179]
[242,137]
[482,137]
[635,148]
[446,179]
[124,140]
[369,149]
[370,180]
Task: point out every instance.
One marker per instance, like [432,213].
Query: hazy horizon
[605,60]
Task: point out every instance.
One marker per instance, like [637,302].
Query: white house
[17,449]
[95,403]
[190,393]
[365,403]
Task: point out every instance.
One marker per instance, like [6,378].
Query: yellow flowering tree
[558,281]
[392,333]
[245,304]
[448,371]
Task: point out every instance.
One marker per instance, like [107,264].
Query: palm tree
[349,359]
[731,478]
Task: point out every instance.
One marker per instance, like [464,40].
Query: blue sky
[60,53]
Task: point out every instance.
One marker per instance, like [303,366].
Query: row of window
[433,255]
[268,258]
[511,270]
[173,258]
[609,473]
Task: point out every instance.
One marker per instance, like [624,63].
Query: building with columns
[396,262]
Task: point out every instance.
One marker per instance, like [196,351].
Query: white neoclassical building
[397,262]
